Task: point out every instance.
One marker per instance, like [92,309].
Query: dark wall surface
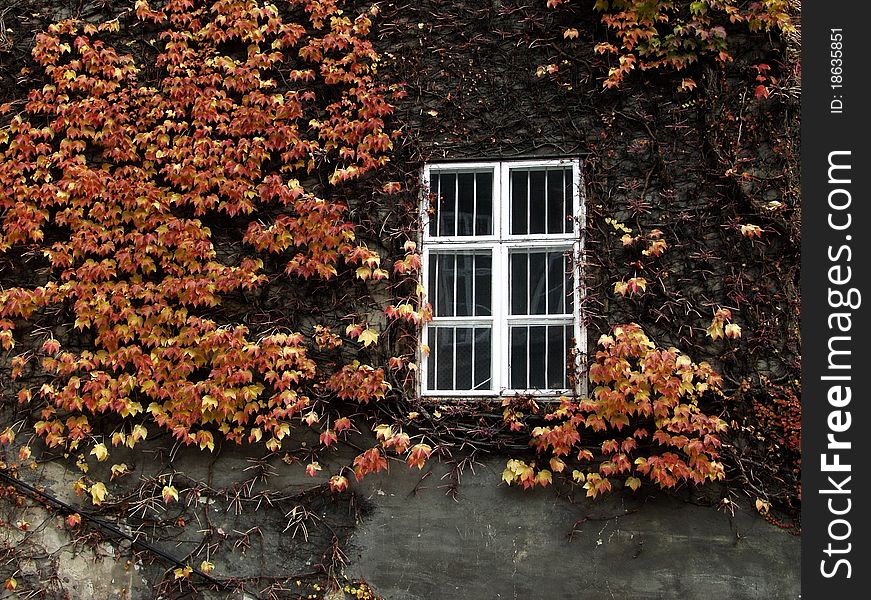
[495,542]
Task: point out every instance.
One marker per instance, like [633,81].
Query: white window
[501,242]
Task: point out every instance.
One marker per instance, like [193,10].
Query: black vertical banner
[836,299]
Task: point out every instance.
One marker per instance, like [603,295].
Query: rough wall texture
[495,542]
[695,165]
[703,167]
[412,536]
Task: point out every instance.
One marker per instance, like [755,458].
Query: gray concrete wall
[416,535]
[497,542]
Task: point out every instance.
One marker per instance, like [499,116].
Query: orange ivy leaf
[73,520]
[418,455]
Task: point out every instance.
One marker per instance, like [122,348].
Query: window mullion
[499,355]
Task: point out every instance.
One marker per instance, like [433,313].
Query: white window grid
[501,243]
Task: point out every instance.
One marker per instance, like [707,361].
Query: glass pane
[431,360]
[568,270]
[445,285]
[556,359]
[555,201]
[556,292]
[482,358]
[434,206]
[537,205]
[444,358]
[432,287]
[447,204]
[484,197]
[464,358]
[569,335]
[465,289]
[460,284]
[537,283]
[465,203]
[519,222]
[483,285]
[537,357]
[517,362]
[570,201]
[519,284]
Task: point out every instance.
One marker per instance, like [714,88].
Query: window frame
[501,243]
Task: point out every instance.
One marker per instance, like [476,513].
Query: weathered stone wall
[413,536]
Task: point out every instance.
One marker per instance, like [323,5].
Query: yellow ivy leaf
[139,432]
[383,432]
[633,483]
[635,284]
[368,337]
[119,470]
[544,477]
[170,493]
[751,231]
[508,475]
[98,493]
[100,451]
[732,330]
[715,330]
[207,567]
[183,573]
[206,441]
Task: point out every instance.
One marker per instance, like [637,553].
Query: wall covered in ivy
[323,469]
